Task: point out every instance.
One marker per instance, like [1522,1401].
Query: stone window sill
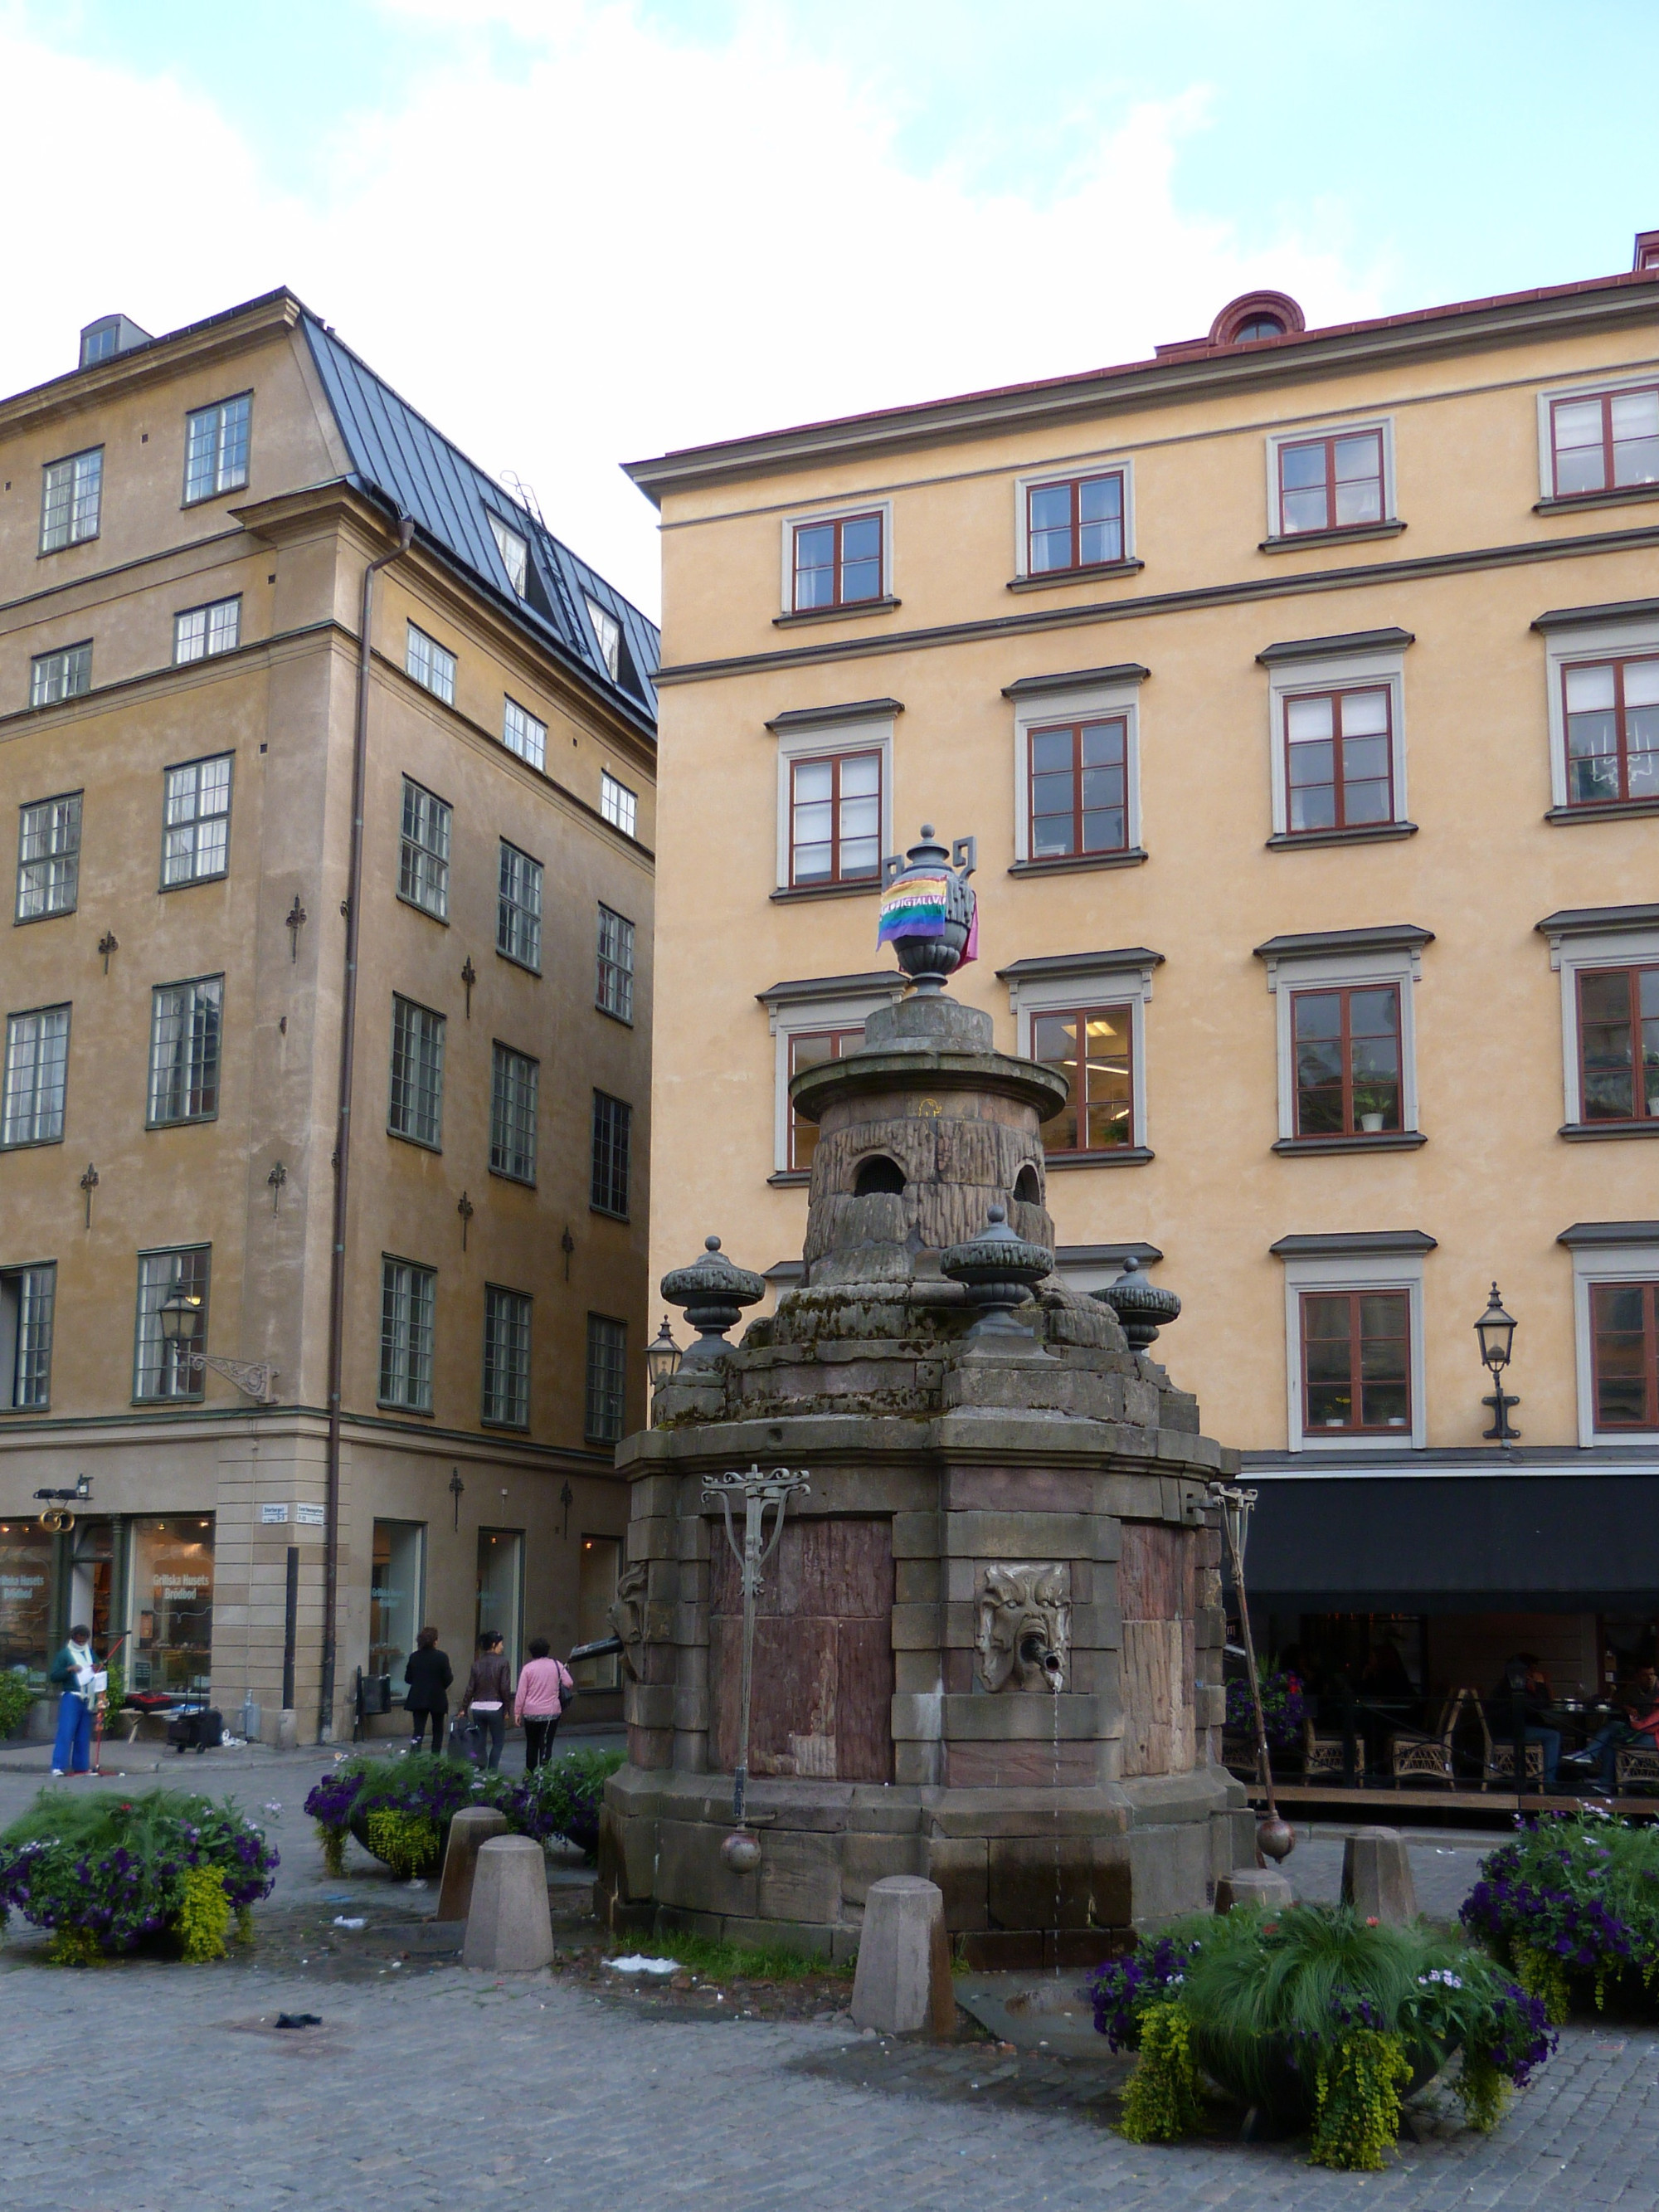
[1371,833]
[1612,809]
[788,894]
[790,1178]
[1591,1132]
[1622,495]
[1120,1156]
[883,606]
[1098,571]
[1069,863]
[1376,1140]
[1356,534]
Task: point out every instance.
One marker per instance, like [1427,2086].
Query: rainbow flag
[921,905]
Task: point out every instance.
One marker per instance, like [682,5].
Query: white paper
[639,1964]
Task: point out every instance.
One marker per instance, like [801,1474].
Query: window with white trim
[834,799]
[514,550]
[27,1295]
[1325,480]
[1072,522]
[1602,679]
[1354,1346]
[408,1297]
[423,850]
[63,674]
[607,633]
[1077,769]
[48,857]
[216,447]
[837,561]
[36,1077]
[1615,1270]
[200,632]
[1338,757]
[1085,1016]
[524,733]
[196,823]
[415,1110]
[519,908]
[821,1018]
[613,989]
[1601,441]
[431,665]
[1609,971]
[71,500]
[515,1081]
[1346,1038]
[618,804]
[506,1357]
[814,1048]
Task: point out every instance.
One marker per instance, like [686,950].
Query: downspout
[337,1284]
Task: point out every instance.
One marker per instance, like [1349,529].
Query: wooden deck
[1379,1798]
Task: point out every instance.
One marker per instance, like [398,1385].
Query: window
[424,851]
[397,1592]
[1612,720]
[514,550]
[27,1296]
[71,500]
[1356,1361]
[417,1073]
[835,828]
[618,804]
[1078,787]
[812,1048]
[1347,1061]
[216,447]
[65,674]
[431,665]
[523,734]
[607,1380]
[607,630]
[1075,525]
[408,1298]
[506,1357]
[1090,1048]
[1604,441]
[185,1030]
[512,1091]
[160,1369]
[1624,1349]
[1338,756]
[201,631]
[837,563]
[49,857]
[608,1192]
[196,834]
[37,1074]
[1619,1043]
[1331,483]
[614,989]
[519,908]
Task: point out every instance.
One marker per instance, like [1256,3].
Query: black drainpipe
[337,1285]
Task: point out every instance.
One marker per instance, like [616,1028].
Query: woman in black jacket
[428,1675]
[489,1692]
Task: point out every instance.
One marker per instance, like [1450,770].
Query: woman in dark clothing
[428,1674]
[489,1691]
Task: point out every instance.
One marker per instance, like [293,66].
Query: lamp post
[1496,1332]
[179,1315]
[662,1357]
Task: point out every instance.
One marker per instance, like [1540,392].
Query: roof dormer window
[514,550]
[1256,315]
[608,632]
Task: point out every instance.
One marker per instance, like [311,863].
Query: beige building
[187,527]
[1301,689]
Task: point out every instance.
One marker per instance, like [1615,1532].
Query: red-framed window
[1346,1045]
[1612,730]
[1356,1362]
[1618,1044]
[837,561]
[810,1048]
[1079,788]
[1331,483]
[1339,759]
[1625,1354]
[1074,524]
[1092,1047]
[834,819]
[1605,441]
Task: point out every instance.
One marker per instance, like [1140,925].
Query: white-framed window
[1615,1306]
[1345,1004]
[1330,478]
[423,850]
[524,733]
[196,821]
[607,633]
[1353,1336]
[1599,440]
[71,500]
[27,1295]
[63,674]
[1086,1013]
[1337,733]
[515,1081]
[415,1110]
[835,796]
[1603,688]
[519,908]
[48,857]
[216,447]
[1607,959]
[1067,521]
[431,665]
[199,632]
[160,1366]
[409,1297]
[506,1357]
[185,1037]
[514,550]
[618,804]
[837,559]
[36,1077]
[613,985]
[819,1018]
[1077,766]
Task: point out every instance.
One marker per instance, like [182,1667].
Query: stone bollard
[903,1978]
[1376,1876]
[287,1729]
[509,1928]
[468,1831]
[1260,1886]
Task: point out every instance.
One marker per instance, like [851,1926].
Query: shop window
[1624,1349]
[1090,1048]
[1356,1361]
[396,1595]
[599,1562]
[501,1589]
[172,1604]
[25,1551]
[1619,1043]
[810,1048]
[1346,1045]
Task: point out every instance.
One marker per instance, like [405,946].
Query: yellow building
[1301,689]
[192,529]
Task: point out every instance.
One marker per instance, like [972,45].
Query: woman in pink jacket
[544,1685]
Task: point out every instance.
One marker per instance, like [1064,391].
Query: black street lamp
[1496,1330]
[662,1355]
[179,1315]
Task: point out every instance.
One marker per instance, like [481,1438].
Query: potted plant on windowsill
[1375,1108]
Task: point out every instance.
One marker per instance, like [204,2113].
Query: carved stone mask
[1024,1627]
[627,1616]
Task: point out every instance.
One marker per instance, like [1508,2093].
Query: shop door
[501,1587]
[596,1586]
[92,1580]
[172,1604]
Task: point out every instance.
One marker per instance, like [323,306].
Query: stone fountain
[988,1645]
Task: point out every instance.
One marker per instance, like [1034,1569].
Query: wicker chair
[1500,1762]
[1637,1768]
[1429,1759]
[1322,1755]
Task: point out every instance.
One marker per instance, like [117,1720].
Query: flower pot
[1276,2079]
[1371,1124]
[358,1824]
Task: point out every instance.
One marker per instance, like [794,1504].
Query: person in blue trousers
[72,1670]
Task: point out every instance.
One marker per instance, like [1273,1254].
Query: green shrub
[17,1694]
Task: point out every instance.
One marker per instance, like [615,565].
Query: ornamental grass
[1319,2019]
[107,1874]
[1572,1906]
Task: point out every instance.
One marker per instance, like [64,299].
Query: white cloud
[617,241]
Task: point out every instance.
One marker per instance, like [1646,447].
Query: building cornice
[1595,920]
[1353,1244]
[1076,679]
[1603,1235]
[1057,966]
[1376,937]
[1337,647]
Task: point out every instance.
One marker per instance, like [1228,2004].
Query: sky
[578,232]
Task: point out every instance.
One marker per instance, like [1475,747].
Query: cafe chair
[1322,1755]
[1416,1758]
[1636,1769]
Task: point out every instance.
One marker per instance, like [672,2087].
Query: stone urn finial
[713,1293]
[927,909]
[998,1271]
[1141,1306]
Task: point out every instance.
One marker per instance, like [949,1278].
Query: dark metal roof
[396,452]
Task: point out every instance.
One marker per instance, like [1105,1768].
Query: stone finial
[928,911]
[713,1293]
[998,1271]
[1141,1306]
